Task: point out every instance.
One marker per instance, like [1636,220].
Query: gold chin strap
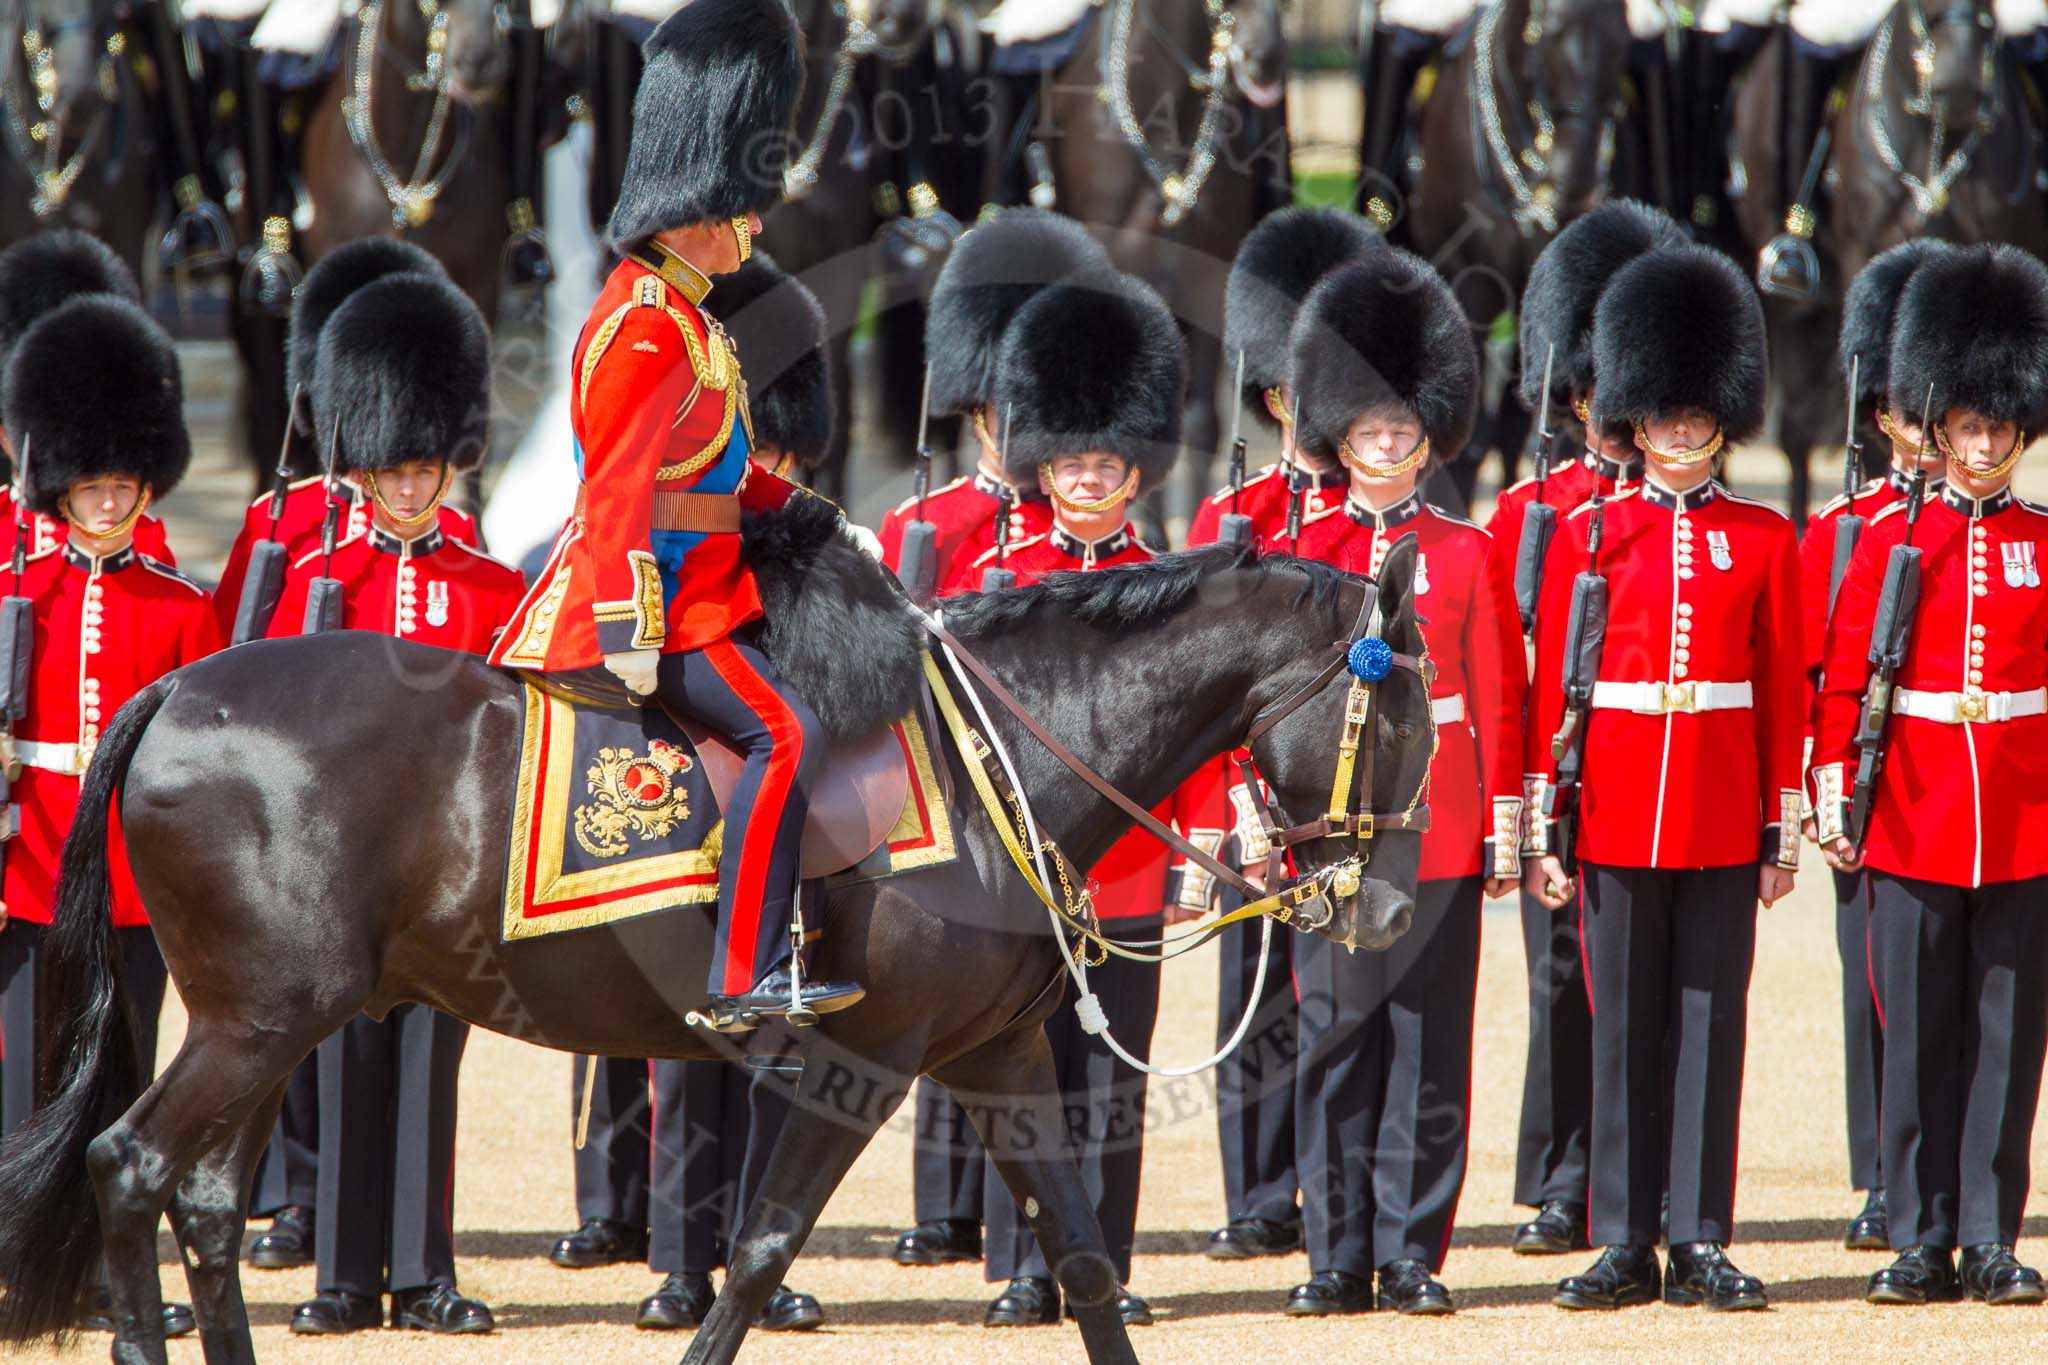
[2004,466]
[126,525]
[744,235]
[1582,408]
[1891,430]
[1276,408]
[1679,457]
[425,514]
[1392,471]
[1089,509]
[988,442]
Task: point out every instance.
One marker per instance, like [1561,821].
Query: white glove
[635,668]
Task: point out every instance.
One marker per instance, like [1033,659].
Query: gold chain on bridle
[412,200]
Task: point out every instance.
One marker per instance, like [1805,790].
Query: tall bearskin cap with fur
[778,327]
[40,273]
[333,279]
[405,365]
[714,118]
[1565,286]
[1091,367]
[993,271]
[93,388]
[1871,308]
[1681,327]
[1973,325]
[1275,268]
[1383,331]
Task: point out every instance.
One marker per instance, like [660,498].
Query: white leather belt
[1447,710]
[1663,699]
[1973,707]
[56,758]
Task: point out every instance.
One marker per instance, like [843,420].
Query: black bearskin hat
[94,388]
[1276,266]
[1681,327]
[1383,331]
[1091,367]
[713,120]
[405,364]
[1871,307]
[1565,286]
[39,273]
[1974,325]
[778,327]
[993,270]
[330,283]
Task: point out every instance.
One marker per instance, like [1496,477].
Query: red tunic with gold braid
[1692,750]
[105,628]
[1960,800]
[963,518]
[1265,498]
[1473,635]
[652,558]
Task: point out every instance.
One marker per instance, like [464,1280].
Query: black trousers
[24,1013]
[1384,1090]
[1557,1079]
[1105,1104]
[731,687]
[715,1124]
[1668,955]
[1862,1034]
[611,1166]
[387,1151]
[289,1173]
[947,1161]
[1962,979]
[1255,1084]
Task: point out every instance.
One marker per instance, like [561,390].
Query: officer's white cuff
[1506,840]
[1253,845]
[1830,803]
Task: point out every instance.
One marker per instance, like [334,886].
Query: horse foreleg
[839,1104]
[208,1213]
[1010,1093]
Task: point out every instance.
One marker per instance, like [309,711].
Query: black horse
[290,893]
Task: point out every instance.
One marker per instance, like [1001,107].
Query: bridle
[412,199]
[34,139]
[1930,193]
[1525,170]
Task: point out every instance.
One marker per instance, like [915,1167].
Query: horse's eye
[1404,732]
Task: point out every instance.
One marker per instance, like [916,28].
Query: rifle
[1849,526]
[995,578]
[1297,484]
[1585,639]
[1235,528]
[323,594]
[17,642]
[1890,636]
[1539,523]
[264,582]
[917,563]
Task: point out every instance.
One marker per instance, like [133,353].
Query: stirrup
[199,238]
[525,259]
[1787,266]
[800,1015]
[272,277]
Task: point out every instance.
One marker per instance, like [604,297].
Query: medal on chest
[2021,571]
[1421,573]
[437,602]
[1717,550]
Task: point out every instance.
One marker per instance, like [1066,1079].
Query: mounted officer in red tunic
[648,578]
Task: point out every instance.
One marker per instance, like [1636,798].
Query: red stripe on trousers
[757,845]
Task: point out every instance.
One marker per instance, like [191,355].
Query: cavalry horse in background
[1517,138]
[1165,665]
[76,125]
[408,138]
[1934,140]
[1159,141]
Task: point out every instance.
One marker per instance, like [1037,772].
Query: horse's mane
[1131,594]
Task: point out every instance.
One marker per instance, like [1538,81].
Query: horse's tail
[49,1216]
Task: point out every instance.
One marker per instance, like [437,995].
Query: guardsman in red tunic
[1954,853]
[403,375]
[1868,312]
[94,397]
[648,579]
[1386,373]
[1691,800]
[1557,329]
[1092,377]
[994,268]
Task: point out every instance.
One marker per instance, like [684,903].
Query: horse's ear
[1397,595]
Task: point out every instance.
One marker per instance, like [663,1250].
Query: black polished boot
[336,1312]
[1028,1301]
[600,1241]
[1700,1273]
[1558,1227]
[770,998]
[1406,1286]
[1244,1239]
[438,1308]
[1992,1274]
[790,1310]
[178,1319]
[526,248]
[1134,1311]
[940,1242]
[1870,1230]
[1329,1293]
[1623,1277]
[681,1301]
[288,1244]
[1921,1274]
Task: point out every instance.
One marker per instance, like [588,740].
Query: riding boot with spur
[772,997]
[1389,63]
[1788,266]
[270,275]
[526,258]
